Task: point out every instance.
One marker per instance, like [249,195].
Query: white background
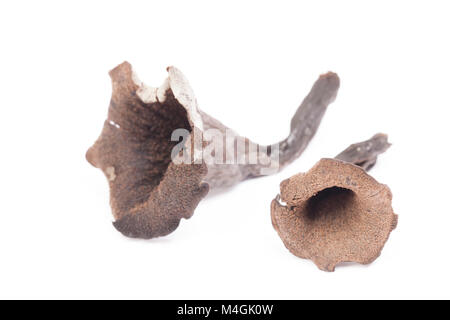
[250,65]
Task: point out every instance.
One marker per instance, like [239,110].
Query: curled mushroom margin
[336,212]
[149,193]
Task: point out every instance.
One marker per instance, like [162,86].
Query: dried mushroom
[150,192]
[336,212]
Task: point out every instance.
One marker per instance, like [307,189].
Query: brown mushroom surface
[336,212]
[149,192]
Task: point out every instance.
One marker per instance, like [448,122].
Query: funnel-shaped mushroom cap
[149,193]
[334,213]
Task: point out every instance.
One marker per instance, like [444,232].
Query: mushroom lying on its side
[336,212]
[149,191]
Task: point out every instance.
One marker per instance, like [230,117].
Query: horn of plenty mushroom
[336,212]
[149,191]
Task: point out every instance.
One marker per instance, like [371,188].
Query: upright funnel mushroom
[336,212]
[149,191]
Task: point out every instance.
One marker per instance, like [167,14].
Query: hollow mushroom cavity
[137,150]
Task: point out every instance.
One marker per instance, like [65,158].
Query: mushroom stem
[304,125]
[365,153]
[307,119]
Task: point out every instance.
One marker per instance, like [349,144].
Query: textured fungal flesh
[334,213]
[149,193]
